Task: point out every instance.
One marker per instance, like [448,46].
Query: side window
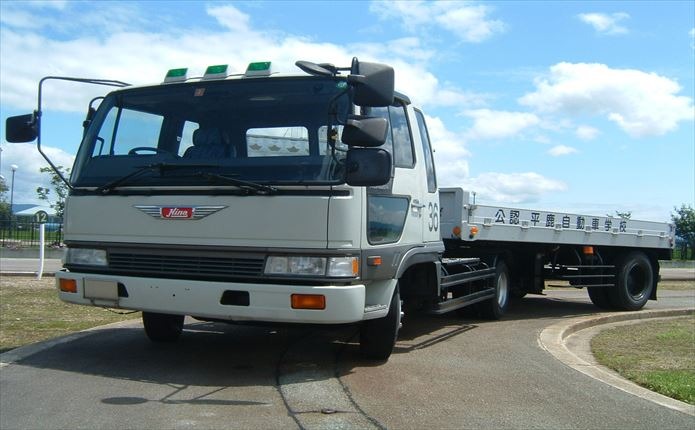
[427,150]
[384,113]
[403,146]
[128,129]
[386,218]
[277,141]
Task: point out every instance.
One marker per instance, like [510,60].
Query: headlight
[86,257]
[334,267]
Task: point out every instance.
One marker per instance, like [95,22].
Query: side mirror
[368,167]
[374,83]
[20,129]
[365,131]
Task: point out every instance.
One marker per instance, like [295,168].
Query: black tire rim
[637,281]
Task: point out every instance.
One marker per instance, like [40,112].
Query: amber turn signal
[68,285]
[308,301]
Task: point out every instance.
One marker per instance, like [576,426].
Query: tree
[58,187]
[623,215]
[4,205]
[684,220]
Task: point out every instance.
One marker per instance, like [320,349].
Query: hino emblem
[179,212]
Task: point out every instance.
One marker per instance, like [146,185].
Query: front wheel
[634,283]
[162,327]
[494,308]
[378,336]
[599,297]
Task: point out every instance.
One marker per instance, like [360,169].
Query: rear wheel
[494,309]
[634,282]
[378,336]
[162,327]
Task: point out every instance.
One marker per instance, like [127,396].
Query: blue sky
[572,106]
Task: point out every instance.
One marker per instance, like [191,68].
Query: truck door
[428,179]
[398,211]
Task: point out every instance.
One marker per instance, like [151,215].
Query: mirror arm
[37,113]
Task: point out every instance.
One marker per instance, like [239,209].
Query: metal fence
[23,234]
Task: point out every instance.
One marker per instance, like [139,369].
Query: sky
[581,107]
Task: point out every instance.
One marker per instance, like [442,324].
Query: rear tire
[162,327]
[634,282]
[493,309]
[378,336]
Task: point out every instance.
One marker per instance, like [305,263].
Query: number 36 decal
[433,209]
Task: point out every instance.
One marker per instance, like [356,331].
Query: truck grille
[188,265]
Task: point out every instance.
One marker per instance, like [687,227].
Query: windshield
[269,131]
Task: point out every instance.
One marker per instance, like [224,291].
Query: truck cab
[252,197]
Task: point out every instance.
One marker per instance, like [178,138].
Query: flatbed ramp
[463,219]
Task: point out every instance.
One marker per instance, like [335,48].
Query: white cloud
[230,17]
[490,124]
[605,23]
[641,103]
[513,188]
[450,153]
[584,132]
[142,57]
[468,22]
[560,150]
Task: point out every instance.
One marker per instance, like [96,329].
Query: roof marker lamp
[261,68]
[216,72]
[176,75]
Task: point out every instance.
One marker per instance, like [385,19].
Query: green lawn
[659,355]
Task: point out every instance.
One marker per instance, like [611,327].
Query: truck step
[460,302]
[466,277]
[582,286]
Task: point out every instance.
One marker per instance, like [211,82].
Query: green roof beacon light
[216,72]
[258,69]
[176,75]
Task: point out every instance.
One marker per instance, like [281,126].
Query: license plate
[102,290]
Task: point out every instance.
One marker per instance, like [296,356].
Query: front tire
[634,282]
[162,327]
[378,336]
[599,297]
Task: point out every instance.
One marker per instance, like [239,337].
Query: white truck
[307,199]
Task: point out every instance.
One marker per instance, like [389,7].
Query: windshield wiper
[245,185]
[108,187]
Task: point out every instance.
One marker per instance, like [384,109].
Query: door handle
[415,204]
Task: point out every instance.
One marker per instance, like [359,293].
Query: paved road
[447,372]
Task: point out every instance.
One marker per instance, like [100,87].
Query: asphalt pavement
[446,372]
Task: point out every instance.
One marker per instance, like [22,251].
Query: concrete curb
[564,340]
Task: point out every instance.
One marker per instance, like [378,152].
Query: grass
[30,311]
[659,355]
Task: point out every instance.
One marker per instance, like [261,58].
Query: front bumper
[267,302]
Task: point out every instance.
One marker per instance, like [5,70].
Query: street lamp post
[14,168]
